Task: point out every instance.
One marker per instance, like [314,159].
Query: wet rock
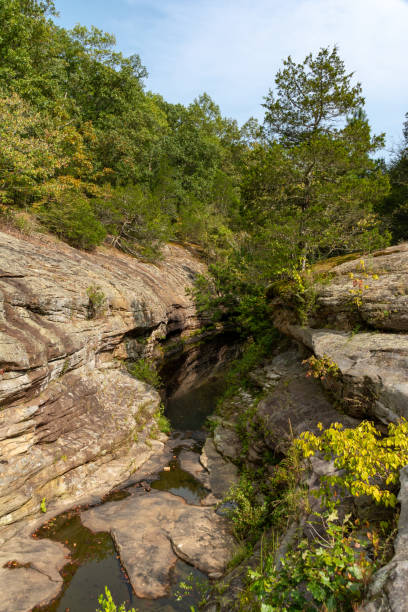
[29,573]
[152,530]
[190,462]
[223,473]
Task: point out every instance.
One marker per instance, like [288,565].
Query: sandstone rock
[388,590]
[223,473]
[373,369]
[227,441]
[163,527]
[383,298]
[73,424]
[29,573]
[295,405]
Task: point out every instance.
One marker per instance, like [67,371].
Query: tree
[395,207]
[313,98]
[316,172]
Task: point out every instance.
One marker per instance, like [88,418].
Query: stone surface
[190,462]
[152,529]
[227,441]
[373,369]
[35,578]
[73,423]
[223,473]
[383,297]
[388,590]
[296,404]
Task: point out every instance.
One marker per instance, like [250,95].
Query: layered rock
[360,322]
[73,423]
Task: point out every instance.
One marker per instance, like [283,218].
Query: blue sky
[232,48]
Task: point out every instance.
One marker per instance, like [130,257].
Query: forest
[90,155]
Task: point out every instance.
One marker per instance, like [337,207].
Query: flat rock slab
[190,462]
[33,578]
[152,529]
[223,474]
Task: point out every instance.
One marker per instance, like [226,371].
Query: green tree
[395,207]
[317,168]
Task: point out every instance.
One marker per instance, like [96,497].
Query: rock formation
[73,423]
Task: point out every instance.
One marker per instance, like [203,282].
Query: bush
[370,462]
[163,422]
[144,370]
[331,571]
[97,301]
[108,605]
[72,219]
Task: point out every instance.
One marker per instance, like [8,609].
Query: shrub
[328,573]
[163,422]
[144,370]
[97,301]
[320,367]
[371,462]
[108,605]
[72,219]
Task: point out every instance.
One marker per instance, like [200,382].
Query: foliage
[107,604]
[134,220]
[145,370]
[369,462]
[73,220]
[320,367]
[43,505]
[248,516]
[97,301]
[330,571]
[163,422]
[395,207]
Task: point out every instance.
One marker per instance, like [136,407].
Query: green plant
[43,506]
[320,367]
[97,301]
[370,462]
[107,604]
[163,422]
[145,370]
[72,219]
[328,573]
[247,514]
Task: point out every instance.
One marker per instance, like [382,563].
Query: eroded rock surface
[73,423]
[29,573]
[380,300]
[223,473]
[373,368]
[152,529]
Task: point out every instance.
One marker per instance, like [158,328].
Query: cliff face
[359,320]
[73,423]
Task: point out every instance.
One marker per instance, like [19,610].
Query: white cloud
[233,48]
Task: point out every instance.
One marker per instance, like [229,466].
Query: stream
[94,560]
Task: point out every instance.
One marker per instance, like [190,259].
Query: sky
[232,49]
